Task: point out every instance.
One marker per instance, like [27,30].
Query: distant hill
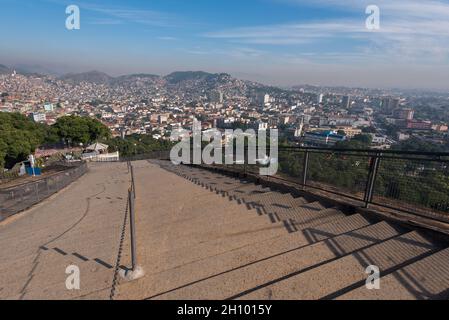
[189,84]
[30,69]
[91,76]
[136,76]
[181,76]
[4,69]
[139,75]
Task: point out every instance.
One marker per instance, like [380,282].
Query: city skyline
[276,42]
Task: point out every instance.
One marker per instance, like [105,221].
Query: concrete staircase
[322,254]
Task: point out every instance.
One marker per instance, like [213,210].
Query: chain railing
[135,272]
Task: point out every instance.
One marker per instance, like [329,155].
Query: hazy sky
[284,42]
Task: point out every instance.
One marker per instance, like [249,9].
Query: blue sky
[282,42]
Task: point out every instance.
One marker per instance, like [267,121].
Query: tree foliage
[77,130]
[136,144]
[360,141]
[20,136]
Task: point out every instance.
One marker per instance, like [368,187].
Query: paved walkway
[202,235]
[81,225]
[181,227]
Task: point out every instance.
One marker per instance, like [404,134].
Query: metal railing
[162,155]
[21,197]
[8,175]
[95,157]
[413,182]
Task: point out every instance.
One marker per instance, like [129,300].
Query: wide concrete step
[225,187]
[298,217]
[217,221]
[50,284]
[236,188]
[259,197]
[269,200]
[220,185]
[182,268]
[80,248]
[300,222]
[246,278]
[333,279]
[80,245]
[243,189]
[423,280]
[34,236]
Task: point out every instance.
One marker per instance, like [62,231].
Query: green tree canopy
[136,144]
[80,129]
[19,137]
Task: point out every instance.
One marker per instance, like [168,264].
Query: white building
[38,117]
[378,139]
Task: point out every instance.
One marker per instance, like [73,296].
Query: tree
[76,130]
[3,150]
[360,141]
[369,130]
[136,144]
[19,137]
[416,144]
[366,139]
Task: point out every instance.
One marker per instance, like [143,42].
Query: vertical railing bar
[368,180]
[245,160]
[372,180]
[133,181]
[305,168]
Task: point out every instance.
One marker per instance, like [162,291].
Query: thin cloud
[409,30]
[147,17]
[105,22]
[167,38]
[129,14]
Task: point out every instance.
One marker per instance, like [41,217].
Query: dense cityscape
[224,155]
[146,104]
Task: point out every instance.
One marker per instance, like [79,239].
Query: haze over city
[278,42]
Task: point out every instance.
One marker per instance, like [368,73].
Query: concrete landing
[80,225]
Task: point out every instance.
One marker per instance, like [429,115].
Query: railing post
[132,181]
[372,180]
[245,160]
[305,168]
[36,188]
[132,225]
